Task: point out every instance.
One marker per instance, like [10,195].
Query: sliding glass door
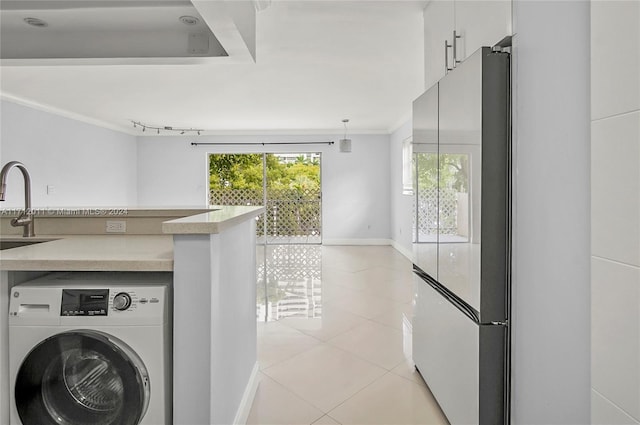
[290,231]
[287,184]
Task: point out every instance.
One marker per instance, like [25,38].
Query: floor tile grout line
[317,419]
[400,303]
[372,291]
[333,419]
[299,396]
[362,358]
[348,311]
[386,371]
[373,321]
[384,324]
[338,334]
[380,298]
[421,387]
[367,318]
[292,357]
[322,413]
[318,342]
[312,403]
[358,392]
[351,328]
[358,357]
[409,379]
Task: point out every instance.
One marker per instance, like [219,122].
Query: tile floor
[337,346]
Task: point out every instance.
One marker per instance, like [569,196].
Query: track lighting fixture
[158,129]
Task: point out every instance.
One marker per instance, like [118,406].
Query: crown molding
[66,114]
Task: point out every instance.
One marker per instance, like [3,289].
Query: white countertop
[211,222]
[93,252]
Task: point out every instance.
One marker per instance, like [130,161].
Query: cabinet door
[438,27]
[480,23]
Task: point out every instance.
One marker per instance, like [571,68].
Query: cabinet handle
[455,49]
[446,57]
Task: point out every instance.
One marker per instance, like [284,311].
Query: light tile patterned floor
[351,365]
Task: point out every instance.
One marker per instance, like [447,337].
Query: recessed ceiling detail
[119,32]
[189,20]
[35,22]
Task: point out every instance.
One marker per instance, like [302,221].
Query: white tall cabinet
[615,209]
[551,310]
[476,24]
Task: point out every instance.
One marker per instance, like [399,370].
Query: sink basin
[16,244]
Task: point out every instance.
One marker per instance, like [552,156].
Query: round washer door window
[82,378]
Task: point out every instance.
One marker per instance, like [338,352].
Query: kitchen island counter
[212,222]
[93,253]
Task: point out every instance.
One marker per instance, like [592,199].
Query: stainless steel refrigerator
[462,220]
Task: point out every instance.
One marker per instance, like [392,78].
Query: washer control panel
[101,302]
[84,302]
[92,298]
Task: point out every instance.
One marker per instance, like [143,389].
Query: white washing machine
[91,349]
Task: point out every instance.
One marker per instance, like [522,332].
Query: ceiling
[316,63]
[110,29]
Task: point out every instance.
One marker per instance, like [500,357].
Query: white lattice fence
[428,206]
[293,213]
[289,212]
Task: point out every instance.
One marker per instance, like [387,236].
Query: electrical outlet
[116,226]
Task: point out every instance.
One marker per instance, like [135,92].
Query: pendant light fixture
[345,144]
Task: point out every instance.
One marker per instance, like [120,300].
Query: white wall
[615,209]
[87,165]
[355,185]
[401,205]
[551,227]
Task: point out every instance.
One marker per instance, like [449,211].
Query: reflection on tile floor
[336,346]
[290,277]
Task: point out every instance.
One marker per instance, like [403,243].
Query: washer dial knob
[122,301]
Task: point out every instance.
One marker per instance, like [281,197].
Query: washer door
[82,377]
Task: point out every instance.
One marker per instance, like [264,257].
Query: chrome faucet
[25,219]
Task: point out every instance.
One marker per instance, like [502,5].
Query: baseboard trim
[242,415]
[356,242]
[402,250]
